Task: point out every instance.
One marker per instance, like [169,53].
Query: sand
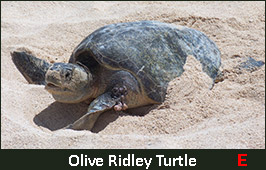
[231,115]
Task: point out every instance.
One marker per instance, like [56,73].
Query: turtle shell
[152,51]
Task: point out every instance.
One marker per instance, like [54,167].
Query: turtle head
[69,83]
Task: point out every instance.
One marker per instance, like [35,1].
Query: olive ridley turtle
[121,66]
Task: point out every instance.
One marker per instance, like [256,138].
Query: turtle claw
[120,106]
[119,93]
[125,107]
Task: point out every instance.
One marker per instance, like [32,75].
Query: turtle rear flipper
[31,67]
[250,64]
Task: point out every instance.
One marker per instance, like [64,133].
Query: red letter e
[240,160]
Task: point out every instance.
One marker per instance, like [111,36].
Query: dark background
[54,159]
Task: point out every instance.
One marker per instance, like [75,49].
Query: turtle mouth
[51,87]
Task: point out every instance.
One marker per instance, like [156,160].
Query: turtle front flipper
[97,107]
[31,67]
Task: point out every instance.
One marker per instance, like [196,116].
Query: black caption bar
[133,159]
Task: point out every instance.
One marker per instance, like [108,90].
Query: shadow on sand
[58,115]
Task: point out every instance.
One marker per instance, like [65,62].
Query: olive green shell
[154,52]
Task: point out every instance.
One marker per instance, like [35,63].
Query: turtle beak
[56,76]
[52,82]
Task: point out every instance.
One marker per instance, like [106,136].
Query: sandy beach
[230,116]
